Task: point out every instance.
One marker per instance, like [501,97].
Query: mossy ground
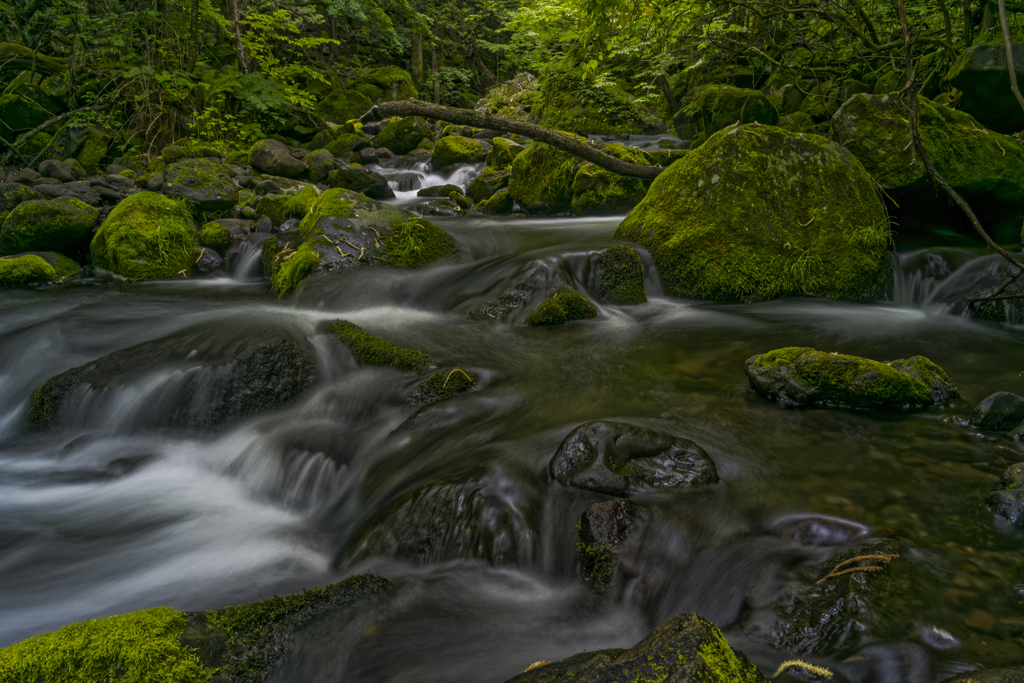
[371,350]
[20,271]
[140,647]
[565,305]
[146,236]
[416,241]
[757,212]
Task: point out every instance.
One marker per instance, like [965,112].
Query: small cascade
[248,263]
[408,178]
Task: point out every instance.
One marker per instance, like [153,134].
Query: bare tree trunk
[238,37]
[437,75]
[666,89]
[469,117]
[1009,53]
[418,75]
[193,37]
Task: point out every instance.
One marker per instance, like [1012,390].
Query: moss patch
[404,136]
[416,241]
[20,271]
[61,224]
[455,149]
[620,276]
[281,207]
[499,203]
[596,191]
[146,236]
[215,236]
[371,350]
[295,266]
[140,647]
[564,305]
[331,203]
[542,179]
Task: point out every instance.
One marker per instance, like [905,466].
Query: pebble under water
[117,510]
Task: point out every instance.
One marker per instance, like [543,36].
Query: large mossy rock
[485,185]
[596,191]
[63,224]
[146,236]
[757,213]
[456,149]
[563,305]
[24,270]
[620,459]
[620,276]
[985,167]
[19,113]
[225,378]
[502,153]
[983,76]
[344,105]
[685,649]
[802,377]
[273,157]
[541,180]
[205,183]
[386,84]
[715,107]
[571,103]
[404,136]
[12,194]
[345,230]
[281,207]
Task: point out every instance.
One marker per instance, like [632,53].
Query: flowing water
[117,511]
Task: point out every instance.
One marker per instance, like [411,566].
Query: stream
[115,511]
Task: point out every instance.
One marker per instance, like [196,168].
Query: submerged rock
[1000,412]
[1013,674]
[620,276]
[1007,500]
[757,213]
[564,305]
[619,459]
[685,649]
[215,382]
[604,531]
[371,350]
[797,377]
[440,386]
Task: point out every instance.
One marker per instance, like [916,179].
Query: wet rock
[25,176]
[1007,500]
[227,379]
[209,262]
[441,208]
[685,649]
[512,299]
[455,149]
[564,305]
[62,225]
[619,459]
[440,191]
[620,276]
[205,182]
[798,377]
[1013,674]
[405,135]
[1000,412]
[982,75]
[819,530]
[441,386]
[605,528]
[57,169]
[371,350]
[82,191]
[370,183]
[273,157]
[319,163]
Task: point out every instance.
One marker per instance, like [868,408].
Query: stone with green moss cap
[386,84]
[12,194]
[344,105]
[281,207]
[371,350]
[62,224]
[542,178]
[620,276]
[596,191]
[798,377]
[456,149]
[715,107]
[498,203]
[146,236]
[757,213]
[403,136]
[502,153]
[564,305]
[204,182]
[23,270]
[273,157]
[685,649]
[214,236]
[485,185]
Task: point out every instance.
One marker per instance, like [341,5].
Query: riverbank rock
[370,350]
[204,182]
[985,167]
[605,529]
[1000,412]
[145,237]
[362,180]
[404,136]
[563,305]
[803,377]
[62,225]
[12,194]
[620,276]
[273,157]
[1007,500]
[35,268]
[456,149]
[597,192]
[983,76]
[715,107]
[619,459]
[281,207]
[758,213]
[227,379]
[541,180]
[685,649]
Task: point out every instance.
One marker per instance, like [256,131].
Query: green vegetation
[214,236]
[416,241]
[61,224]
[140,647]
[564,305]
[455,149]
[620,276]
[281,207]
[20,271]
[294,267]
[370,350]
[334,203]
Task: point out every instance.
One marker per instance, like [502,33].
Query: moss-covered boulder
[797,377]
[92,148]
[985,167]
[502,153]
[319,162]
[345,143]
[415,242]
[455,149]
[205,183]
[564,305]
[715,107]
[214,236]
[982,75]
[273,157]
[370,183]
[404,136]
[281,207]
[620,276]
[146,236]
[596,191]
[386,84]
[498,203]
[797,122]
[12,194]
[344,105]
[542,178]
[487,183]
[63,224]
[371,350]
[685,649]
[757,212]
[568,102]
[19,113]
[35,268]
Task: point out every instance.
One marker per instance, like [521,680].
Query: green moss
[19,271]
[799,122]
[63,266]
[238,157]
[344,143]
[386,84]
[61,224]
[281,207]
[565,305]
[620,276]
[596,191]
[329,204]
[455,149]
[93,150]
[570,102]
[502,153]
[757,212]
[822,101]
[416,241]
[715,107]
[146,236]
[404,136]
[597,563]
[542,179]
[487,183]
[499,203]
[295,266]
[19,113]
[12,194]
[371,350]
[214,236]
[140,647]
[723,664]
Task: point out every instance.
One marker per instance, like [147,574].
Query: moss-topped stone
[415,242]
[24,270]
[281,207]
[371,350]
[502,153]
[714,107]
[564,305]
[214,236]
[757,213]
[62,224]
[405,135]
[146,236]
[12,194]
[804,377]
[386,84]
[456,149]
[620,276]
[274,157]
[344,105]
[204,182]
[542,178]
[596,191]
[487,183]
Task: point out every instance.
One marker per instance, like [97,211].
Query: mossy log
[20,58]
[469,117]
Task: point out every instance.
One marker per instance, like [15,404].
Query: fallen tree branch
[469,117]
[20,58]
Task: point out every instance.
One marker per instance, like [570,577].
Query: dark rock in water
[620,459]
[440,386]
[798,377]
[209,262]
[373,185]
[819,530]
[685,649]
[1013,674]
[1007,500]
[203,181]
[605,528]
[267,187]
[440,191]
[983,76]
[1000,412]
[439,208]
[251,374]
[403,136]
[892,663]
[620,276]
[564,305]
